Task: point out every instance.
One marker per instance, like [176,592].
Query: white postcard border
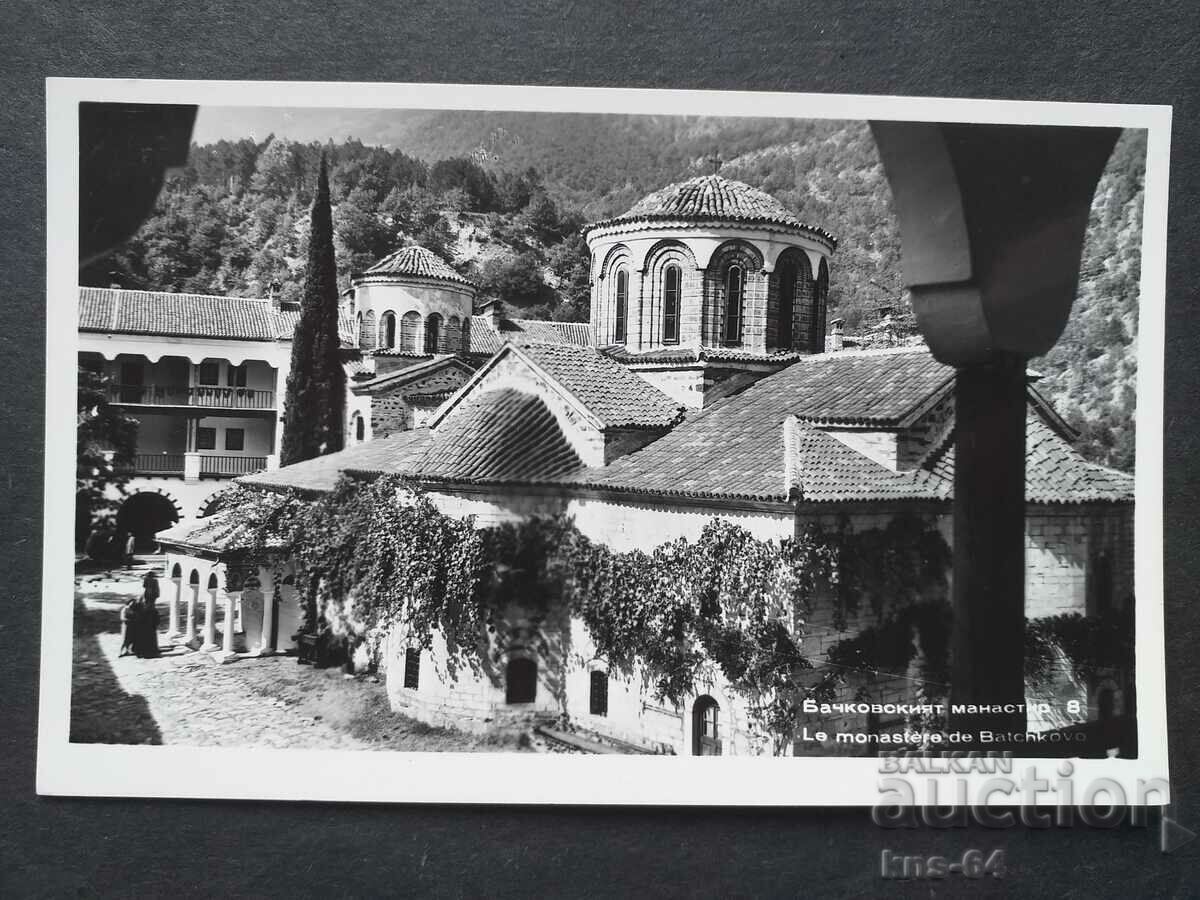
[101,770]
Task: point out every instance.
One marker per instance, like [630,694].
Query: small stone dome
[416,262]
[712,198]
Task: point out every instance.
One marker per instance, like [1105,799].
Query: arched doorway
[706,727]
[145,514]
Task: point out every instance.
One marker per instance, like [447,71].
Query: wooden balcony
[158,464]
[204,396]
[174,465]
[230,466]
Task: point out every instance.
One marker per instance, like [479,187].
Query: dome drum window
[622,307]
[672,283]
[735,289]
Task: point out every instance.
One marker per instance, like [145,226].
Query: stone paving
[187,698]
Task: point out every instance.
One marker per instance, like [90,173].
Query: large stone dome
[711,199]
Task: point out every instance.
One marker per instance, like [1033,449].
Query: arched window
[816,337]
[520,680]
[176,571]
[706,734]
[360,427]
[598,693]
[387,331]
[358,326]
[410,325]
[194,578]
[212,581]
[412,668]
[622,306]
[433,334]
[787,306]
[735,287]
[672,279]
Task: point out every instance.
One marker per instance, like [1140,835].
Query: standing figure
[129,624]
[145,642]
[130,540]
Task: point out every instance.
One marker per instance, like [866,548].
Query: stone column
[173,634]
[210,624]
[227,652]
[190,627]
[266,646]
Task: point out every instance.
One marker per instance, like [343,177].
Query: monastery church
[702,388]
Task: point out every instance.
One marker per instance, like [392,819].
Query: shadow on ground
[101,711]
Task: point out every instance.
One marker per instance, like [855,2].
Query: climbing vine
[373,555]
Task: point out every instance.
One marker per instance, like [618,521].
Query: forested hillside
[503,195]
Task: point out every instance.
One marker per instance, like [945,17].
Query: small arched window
[520,680]
[176,571]
[360,428]
[672,279]
[387,331]
[787,306]
[622,306]
[433,334]
[412,668]
[735,286]
[194,578]
[358,325]
[212,582]
[410,324]
[706,734]
[598,693]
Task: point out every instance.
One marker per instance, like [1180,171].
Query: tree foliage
[105,444]
[314,407]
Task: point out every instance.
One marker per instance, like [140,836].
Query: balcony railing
[158,464]
[202,395]
[231,466]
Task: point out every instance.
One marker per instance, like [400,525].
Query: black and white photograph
[464,429]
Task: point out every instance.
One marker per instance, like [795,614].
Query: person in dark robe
[145,643]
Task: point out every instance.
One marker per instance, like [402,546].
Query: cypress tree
[316,387]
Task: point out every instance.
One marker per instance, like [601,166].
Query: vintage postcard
[453,443]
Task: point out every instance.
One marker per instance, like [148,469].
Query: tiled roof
[712,198]
[418,262]
[499,436]
[165,314]
[877,387]
[396,452]
[176,315]
[212,533]
[414,372]
[1054,470]
[616,396]
[482,338]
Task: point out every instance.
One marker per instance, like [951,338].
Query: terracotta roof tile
[712,198]
[418,262]
[500,436]
[615,395]
[166,314]
[394,453]
[482,338]
[1055,472]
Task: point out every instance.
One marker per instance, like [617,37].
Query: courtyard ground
[186,698]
